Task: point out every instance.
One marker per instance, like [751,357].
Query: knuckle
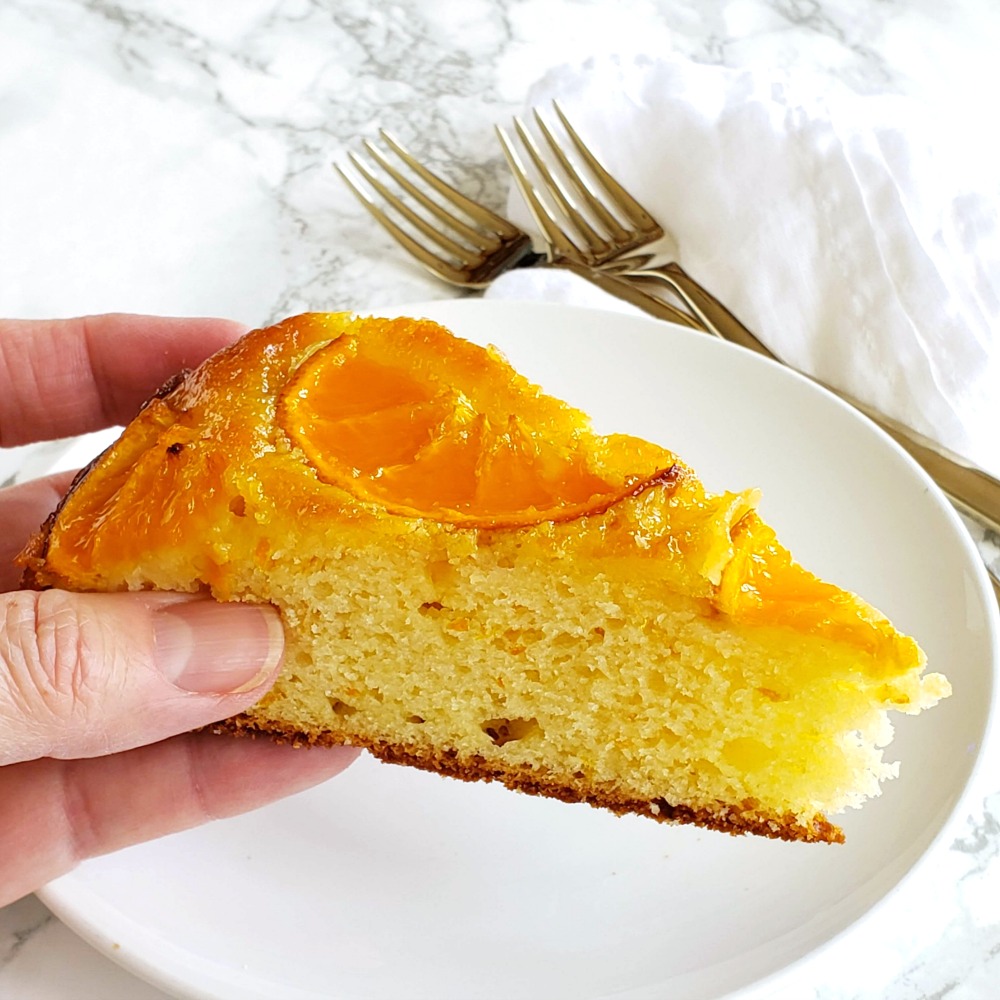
[46,646]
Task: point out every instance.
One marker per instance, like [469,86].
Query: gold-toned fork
[454,237]
[457,239]
[622,224]
[592,220]
[589,219]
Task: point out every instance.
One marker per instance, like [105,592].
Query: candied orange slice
[402,416]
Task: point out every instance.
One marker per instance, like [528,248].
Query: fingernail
[212,648]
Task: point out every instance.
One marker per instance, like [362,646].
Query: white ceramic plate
[389,882]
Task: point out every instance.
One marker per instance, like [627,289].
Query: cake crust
[34,555]
[744,818]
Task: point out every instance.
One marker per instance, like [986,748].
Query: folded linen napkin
[857,236]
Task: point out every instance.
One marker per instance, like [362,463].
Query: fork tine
[555,185]
[544,218]
[425,256]
[416,220]
[590,197]
[635,212]
[482,240]
[471,208]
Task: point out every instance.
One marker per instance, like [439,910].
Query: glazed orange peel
[426,426]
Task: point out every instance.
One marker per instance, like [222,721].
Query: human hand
[95,688]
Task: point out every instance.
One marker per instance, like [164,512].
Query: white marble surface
[173,156]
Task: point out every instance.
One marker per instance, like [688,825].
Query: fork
[610,225]
[589,219]
[473,244]
[455,238]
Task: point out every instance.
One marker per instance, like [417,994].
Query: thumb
[82,675]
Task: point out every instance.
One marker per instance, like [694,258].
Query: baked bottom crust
[745,818]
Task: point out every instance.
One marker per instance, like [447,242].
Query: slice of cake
[472,581]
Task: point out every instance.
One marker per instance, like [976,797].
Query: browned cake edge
[37,549]
[733,819]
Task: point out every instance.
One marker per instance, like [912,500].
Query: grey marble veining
[148,141]
[19,923]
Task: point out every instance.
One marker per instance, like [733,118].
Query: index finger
[62,377]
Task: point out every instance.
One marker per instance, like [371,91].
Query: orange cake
[472,581]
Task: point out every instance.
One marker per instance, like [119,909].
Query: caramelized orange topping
[425,428]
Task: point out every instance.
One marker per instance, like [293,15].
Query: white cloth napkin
[857,236]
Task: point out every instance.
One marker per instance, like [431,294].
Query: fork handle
[972,490]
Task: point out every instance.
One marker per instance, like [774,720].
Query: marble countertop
[173,156]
